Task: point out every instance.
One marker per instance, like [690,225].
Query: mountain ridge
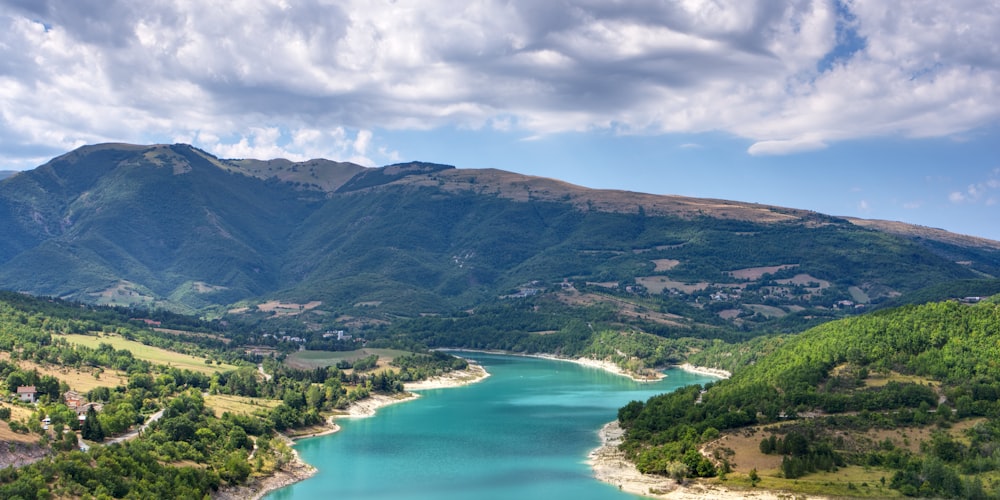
[174,226]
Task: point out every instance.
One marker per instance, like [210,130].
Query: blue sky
[887,110]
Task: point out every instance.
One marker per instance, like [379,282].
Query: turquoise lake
[523,433]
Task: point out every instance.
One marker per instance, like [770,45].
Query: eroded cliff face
[15,455]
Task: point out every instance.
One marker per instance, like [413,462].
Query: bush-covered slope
[902,368]
[157,218]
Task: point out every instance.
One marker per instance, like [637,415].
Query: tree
[677,471]
[767,445]
[754,477]
[92,429]
[235,468]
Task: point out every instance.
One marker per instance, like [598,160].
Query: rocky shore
[294,471]
[611,466]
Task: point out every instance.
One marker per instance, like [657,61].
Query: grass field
[768,311]
[16,413]
[657,284]
[850,481]
[880,380]
[149,353]
[194,334]
[80,380]
[240,405]
[847,482]
[308,360]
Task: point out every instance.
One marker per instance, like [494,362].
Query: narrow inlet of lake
[523,433]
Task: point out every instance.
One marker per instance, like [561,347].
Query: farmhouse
[73,399]
[27,393]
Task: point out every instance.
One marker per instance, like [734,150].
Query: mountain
[6,173]
[173,226]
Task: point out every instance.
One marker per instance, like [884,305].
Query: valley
[254,300]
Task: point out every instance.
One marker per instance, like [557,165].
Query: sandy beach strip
[605,365]
[457,378]
[297,470]
[704,370]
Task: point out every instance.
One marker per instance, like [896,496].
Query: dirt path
[134,434]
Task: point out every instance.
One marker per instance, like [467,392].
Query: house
[81,411]
[340,334]
[27,393]
[73,399]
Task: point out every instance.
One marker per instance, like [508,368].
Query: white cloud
[780,147]
[984,191]
[788,76]
[361,141]
[389,155]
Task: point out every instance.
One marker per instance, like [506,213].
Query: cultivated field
[657,284]
[769,311]
[624,307]
[665,264]
[194,334]
[287,309]
[756,273]
[122,293]
[238,405]
[80,380]
[149,353]
[308,360]
[805,280]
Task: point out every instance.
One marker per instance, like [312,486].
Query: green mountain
[906,399]
[175,227]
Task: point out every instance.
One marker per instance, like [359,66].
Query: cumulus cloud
[981,192]
[788,76]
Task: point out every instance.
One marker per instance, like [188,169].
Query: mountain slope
[902,394]
[158,218]
[177,227]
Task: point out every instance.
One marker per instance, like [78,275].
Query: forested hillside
[819,398]
[345,247]
[122,422]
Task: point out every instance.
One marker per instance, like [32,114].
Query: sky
[876,109]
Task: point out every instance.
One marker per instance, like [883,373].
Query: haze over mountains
[173,226]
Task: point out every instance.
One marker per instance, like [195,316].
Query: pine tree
[92,429]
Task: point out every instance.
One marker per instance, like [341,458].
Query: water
[523,433]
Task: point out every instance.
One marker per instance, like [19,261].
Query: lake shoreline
[611,466]
[605,365]
[298,470]
[704,370]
